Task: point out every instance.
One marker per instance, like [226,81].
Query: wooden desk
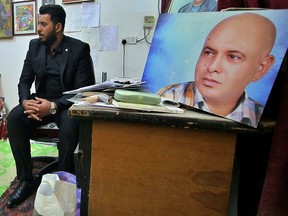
[137,163]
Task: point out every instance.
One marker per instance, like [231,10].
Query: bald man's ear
[264,66]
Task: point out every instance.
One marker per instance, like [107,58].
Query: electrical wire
[124,42]
[123,59]
[145,35]
[149,29]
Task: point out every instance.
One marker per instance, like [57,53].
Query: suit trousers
[19,132]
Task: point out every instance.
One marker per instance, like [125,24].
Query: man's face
[227,64]
[46,29]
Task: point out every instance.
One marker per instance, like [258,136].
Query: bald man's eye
[207,52]
[235,57]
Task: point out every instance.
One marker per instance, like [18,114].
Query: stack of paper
[107,86]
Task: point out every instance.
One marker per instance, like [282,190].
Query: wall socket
[149,21]
[131,40]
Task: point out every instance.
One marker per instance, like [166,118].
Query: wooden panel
[147,170]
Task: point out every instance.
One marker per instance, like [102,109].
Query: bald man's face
[231,58]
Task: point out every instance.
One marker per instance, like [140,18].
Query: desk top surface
[189,119]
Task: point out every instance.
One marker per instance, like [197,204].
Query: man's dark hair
[56,12]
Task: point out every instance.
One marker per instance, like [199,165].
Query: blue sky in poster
[178,40]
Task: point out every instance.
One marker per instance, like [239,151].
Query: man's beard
[50,39]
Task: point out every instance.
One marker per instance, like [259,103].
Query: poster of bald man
[192,6]
[224,63]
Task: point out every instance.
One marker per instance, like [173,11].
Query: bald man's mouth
[210,82]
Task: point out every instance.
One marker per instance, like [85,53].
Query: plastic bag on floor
[55,197]
[68,177]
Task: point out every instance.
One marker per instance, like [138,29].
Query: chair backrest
[48,134]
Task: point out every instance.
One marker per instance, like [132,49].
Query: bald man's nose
[215,65]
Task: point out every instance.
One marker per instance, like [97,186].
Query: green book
[136,97]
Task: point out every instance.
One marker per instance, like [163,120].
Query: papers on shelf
[107,86]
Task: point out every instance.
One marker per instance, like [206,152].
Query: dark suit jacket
[76,69]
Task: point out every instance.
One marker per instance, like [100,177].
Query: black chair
[49,135]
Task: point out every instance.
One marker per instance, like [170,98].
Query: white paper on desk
[97,104]
[148,108]
[55,197]
[95,87]
[108,85]
[78,99]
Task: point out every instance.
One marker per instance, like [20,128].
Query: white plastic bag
[55,197]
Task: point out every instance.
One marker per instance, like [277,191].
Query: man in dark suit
[56,63]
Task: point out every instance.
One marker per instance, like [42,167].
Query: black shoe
[21,193]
